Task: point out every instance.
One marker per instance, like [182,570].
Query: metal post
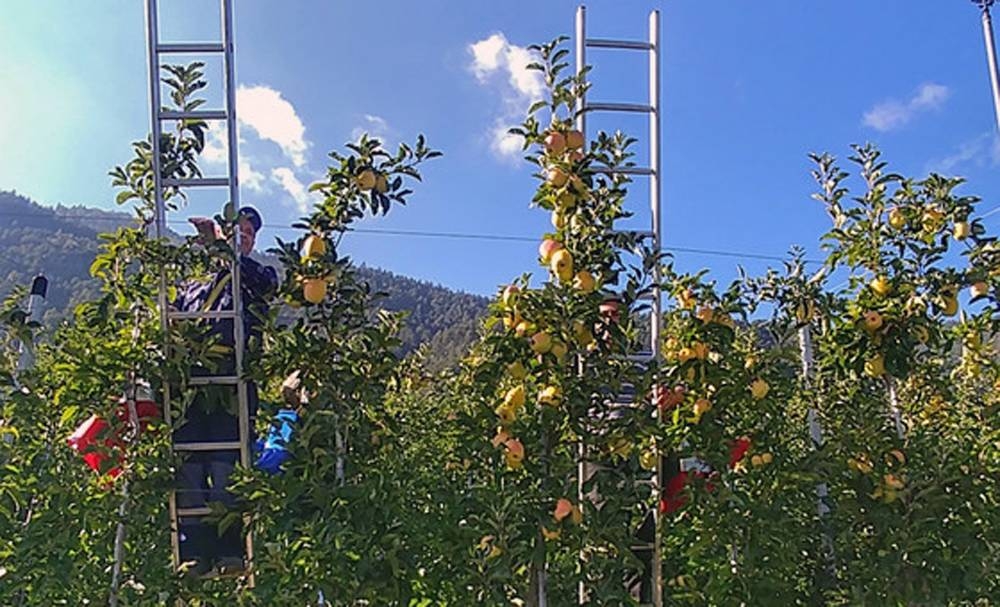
[815,429]
[991,54]
[894,412]
[39,289]
[654,208]
[581,63]
[581,125]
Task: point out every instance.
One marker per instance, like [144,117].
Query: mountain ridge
[61,241]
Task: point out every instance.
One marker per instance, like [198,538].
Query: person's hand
[208,231]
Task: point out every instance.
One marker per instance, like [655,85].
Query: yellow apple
[756,461]
[566,200]
[873,321]
[547,249]
[314,290]
[557,177]
[585,281]
[805,311]
[541,343]
[522,328]
[574,140]
[313,246]
[550,395]
[931,219]
[766,458]
[584,337]
[704,314]
[561,265]
[949,305]
[647,459]
[702,406]
[896,218]
[506,414]
[514,398]
[517,370]
[511,321]
[759,389]
[555,143]
[686,299]
[366,180]
[875,366]
[558,220]
[509,295]
[558,350]
[881,286]
[381,184]
[962,230]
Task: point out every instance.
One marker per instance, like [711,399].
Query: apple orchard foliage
[542,381]
[407,489]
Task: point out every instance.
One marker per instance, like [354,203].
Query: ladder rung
[635,547]
[624,171]
[212,314]
[208,446]
[618,107]
[647,296]
[194,115]
[195,511]
[622,44]
[196,182]
[191,47]
[214,380]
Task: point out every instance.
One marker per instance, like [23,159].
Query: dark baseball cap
[253,216]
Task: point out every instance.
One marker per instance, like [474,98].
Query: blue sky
[749,89]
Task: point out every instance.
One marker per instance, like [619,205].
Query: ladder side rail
[160,226]
[655,325]
[226,12]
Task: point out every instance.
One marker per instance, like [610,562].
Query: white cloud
[979,152]
[375,126]
[216,150]
[894,113]
[250,177]
[285,177]
[503,66]
[505,145]
[272,117]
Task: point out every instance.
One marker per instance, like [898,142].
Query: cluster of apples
[888,488]
[878,320]
[313,288]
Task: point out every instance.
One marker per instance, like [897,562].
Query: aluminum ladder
[652,48]
[156,50]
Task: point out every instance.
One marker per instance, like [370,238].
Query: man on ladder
[212,416]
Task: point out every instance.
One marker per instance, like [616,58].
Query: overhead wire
[448,235]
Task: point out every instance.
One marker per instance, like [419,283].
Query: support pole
[581,125]
[133,422]
[991,55]
[39,289]
[815,429]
